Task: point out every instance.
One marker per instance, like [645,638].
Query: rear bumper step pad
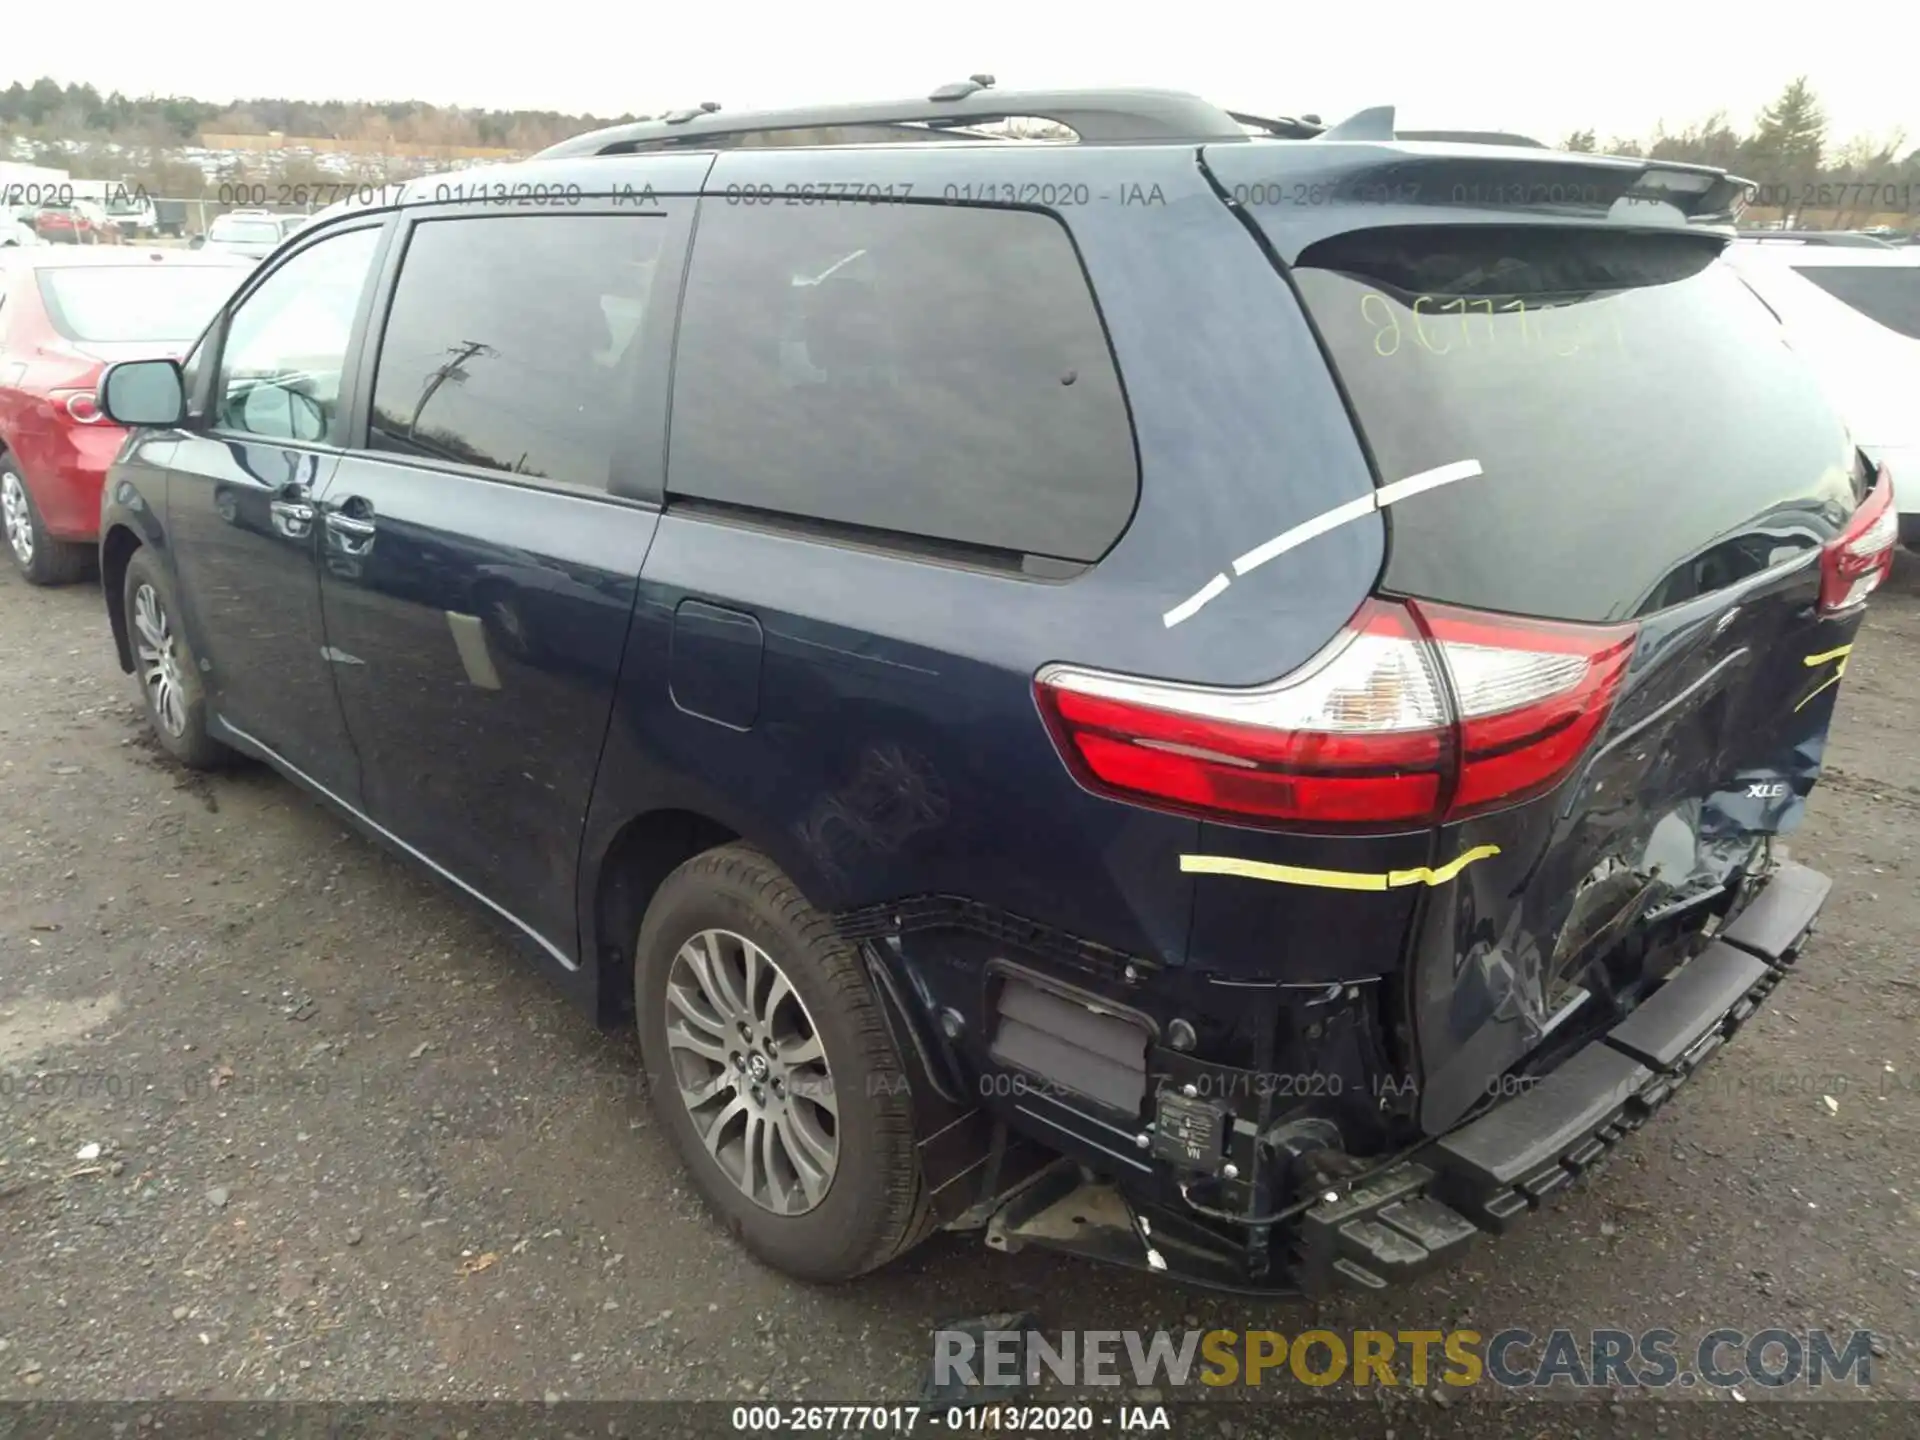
[1659,1032]
[1422,1213]
[1505,1163]
[1488,1173]
[1778,919]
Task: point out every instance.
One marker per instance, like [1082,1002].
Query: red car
[75,223]
[65,313]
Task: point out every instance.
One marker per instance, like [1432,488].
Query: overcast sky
[1542,69]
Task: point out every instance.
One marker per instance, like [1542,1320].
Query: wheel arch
[117,548]
[646,849]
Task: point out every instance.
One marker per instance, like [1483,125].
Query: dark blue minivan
[1216,693]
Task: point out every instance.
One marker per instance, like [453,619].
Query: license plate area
[1189,1132]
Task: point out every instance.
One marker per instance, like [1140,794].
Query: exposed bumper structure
[1481,1177]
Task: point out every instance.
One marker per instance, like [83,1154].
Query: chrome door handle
[291,518]
[351,534]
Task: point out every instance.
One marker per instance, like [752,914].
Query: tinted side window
[286,345]
[936,371]
[508,343]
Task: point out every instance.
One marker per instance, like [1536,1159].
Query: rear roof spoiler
[1376,123]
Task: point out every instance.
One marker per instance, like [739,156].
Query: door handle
[291,512]
[352,533]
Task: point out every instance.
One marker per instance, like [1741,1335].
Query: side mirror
[144,392]
[196,242]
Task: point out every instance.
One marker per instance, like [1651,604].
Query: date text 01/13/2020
[908,1419]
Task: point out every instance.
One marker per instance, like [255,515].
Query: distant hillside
[47,111]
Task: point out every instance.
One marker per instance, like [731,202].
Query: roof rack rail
[1283,126]
[1094,116]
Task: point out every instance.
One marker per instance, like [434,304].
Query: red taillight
[1415,713]
[80,406]
[1529,695]
[1853,564]
[1357,736]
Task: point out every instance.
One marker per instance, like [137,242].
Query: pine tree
[1791,133]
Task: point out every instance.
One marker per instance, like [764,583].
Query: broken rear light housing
[1415,714]
[1854,563]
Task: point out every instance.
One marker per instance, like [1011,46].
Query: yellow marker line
[1818,691]
[1841,654]
[1333,879]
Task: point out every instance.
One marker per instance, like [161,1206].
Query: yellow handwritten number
[1421,330]
[1392,323]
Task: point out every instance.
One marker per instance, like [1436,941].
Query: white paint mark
[1320,524]
[1300,534]
[1426,480]
[1190,607]
[470,640]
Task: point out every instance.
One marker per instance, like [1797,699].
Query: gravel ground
[280,1118]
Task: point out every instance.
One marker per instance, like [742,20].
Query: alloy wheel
[17,516]
[159,661]
[752,1072]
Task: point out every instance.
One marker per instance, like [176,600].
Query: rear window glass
[1643,432]
[107,303]
[1888,295]
[511,343]
[931,371]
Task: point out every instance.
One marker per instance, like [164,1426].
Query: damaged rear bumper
[1479,1178]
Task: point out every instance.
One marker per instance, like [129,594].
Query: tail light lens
[1855,562]
[80,406]
[1414,714]
[1529,695]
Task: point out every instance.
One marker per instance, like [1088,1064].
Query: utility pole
[461,353]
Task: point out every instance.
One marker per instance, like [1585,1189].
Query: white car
[254,234]
[14,233]
[1854,313]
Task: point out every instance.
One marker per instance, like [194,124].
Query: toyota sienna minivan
[1218,695]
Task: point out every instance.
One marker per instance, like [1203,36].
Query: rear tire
[39,557]
[168,672]
[709,916]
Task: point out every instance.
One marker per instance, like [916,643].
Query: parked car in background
[17,233]
[1854,314]
[941,672]
[132,214]
[74,222]
[170,217]
[252,234]
[64,315]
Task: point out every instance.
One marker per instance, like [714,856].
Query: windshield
[1888,295]
[246,232]
[1642,432]
[112,303]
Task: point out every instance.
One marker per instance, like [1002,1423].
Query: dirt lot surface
[349,1144]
